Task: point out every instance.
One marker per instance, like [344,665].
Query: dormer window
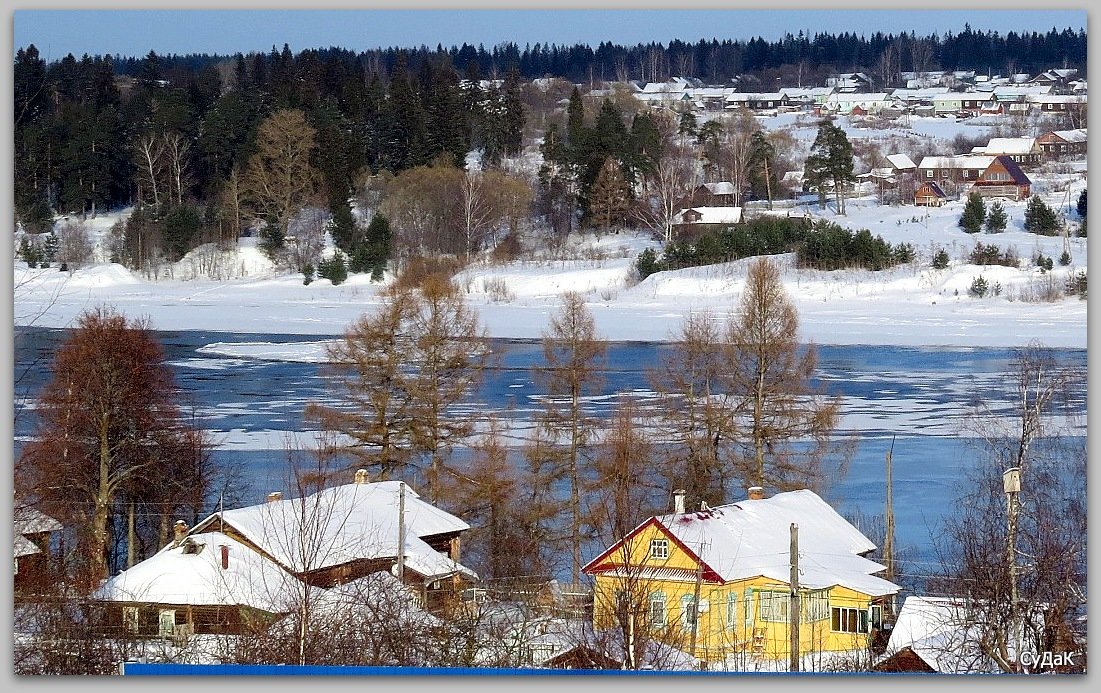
[659,548]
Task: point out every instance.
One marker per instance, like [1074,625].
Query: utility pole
[696,602]
[889,538]
[793,607]
[401,532]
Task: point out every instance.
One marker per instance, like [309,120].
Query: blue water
[917,400]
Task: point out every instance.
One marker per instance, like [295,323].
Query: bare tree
[149,162]
[772,374]
[74,246]
[176,148]
[573,355]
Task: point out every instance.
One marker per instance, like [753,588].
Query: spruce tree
[1040,219]
[974,213]
[996,219]
[609,197]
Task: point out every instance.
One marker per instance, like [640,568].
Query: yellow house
[734,562]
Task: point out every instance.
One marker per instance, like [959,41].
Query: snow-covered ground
[909,305]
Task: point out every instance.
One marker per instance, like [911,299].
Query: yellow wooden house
[715,582]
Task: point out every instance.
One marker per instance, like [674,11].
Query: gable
[634,551]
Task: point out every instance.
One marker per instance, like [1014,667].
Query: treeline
[718,60]
[194,137]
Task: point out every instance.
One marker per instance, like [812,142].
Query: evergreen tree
[1040,218]
[996,219]
[830,163]
[372,254]
[1081,206]
[513,112]
[609,198]
[181,228]
[974,213]
[334,268]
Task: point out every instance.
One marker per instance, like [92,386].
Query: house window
[847,620]
[731,610]
[657,609]
[167,622]
[929,173]
[815,606]
[689,612]
[748,611]
[877,617]
[659,548]
[130,619]
[774,606]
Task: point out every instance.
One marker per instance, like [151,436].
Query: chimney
[275,496]
[756,493]
[361,476]
[678,501]
[225,556]
[180,530]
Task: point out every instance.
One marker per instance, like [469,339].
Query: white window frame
[162,618]
[659,548]
[774,606]
[732,610]
[658,616]
[815,606]
[845,615]
[689,612]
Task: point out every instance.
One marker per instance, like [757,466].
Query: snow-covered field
[909,305]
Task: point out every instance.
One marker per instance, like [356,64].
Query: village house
[695,220]
[714,582]
[1024,150]
[952,173]
[929,194]
[718,194]
[1003,177]
[33,532]
[244,564]
[1062,143]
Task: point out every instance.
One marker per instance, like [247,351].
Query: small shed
[929,194]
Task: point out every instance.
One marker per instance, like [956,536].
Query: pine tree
[974,212]
[830,163]
[609,197]
[1039,218]
[996,219]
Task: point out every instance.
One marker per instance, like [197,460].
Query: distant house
[850,82]
[1060,143]
[243,564]
[32,535]
[900,163]
[952,172]
[856,103]
[1024,150]
[929,194]
[735,557]
[695,220]
[719,194]
[1003,178]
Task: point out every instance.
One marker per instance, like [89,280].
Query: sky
[127,32]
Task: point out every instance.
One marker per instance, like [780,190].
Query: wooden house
[718,194]
[1003,178]
[1057,144]
[714,582]
[247,564]
[929,194]
[1024,150]
[33,532]
[696,220]
[952,173]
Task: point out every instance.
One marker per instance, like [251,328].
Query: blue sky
[136,32]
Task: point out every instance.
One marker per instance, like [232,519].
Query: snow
[913,305]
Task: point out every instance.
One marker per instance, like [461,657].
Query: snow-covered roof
[30,520]
[346,523]
[192,573]
[25,547]
[901,161]
[1007,145]
[752,538]
[961,162]
[720,188]
[711,215]
[1071,135]
[941,631]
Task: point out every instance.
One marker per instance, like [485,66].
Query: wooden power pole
[401,532]
[793,607]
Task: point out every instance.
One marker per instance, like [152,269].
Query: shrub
[1040,219]
[1064,259]
[1076,285]
[418,270]
[335,269]
[827,246]
[508,249]
[992,255]
[979,287]
[307,274]
[974,212]
[940,259]
[996,219]
[1044,263]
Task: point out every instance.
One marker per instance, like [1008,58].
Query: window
[659,548]
[928,173]
[748,614]
[130,619]
[846,620]
[167,622]
[689,615]
[774,606]
[877,617]
[731,610]
[657,609]
[815,606]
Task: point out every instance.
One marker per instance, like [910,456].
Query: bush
[335,269]
[307,274]
[827,246]
[979,287]
[1064,259]
[1040,219]
[508,249]
[1076,285]
[940,259]
[418,270]
[1044,263]
[992,255]
[974,212]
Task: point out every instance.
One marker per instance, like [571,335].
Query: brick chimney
[756,493]
[275,496]
[224,549]
[180,530]
[678,501]
[361,476]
